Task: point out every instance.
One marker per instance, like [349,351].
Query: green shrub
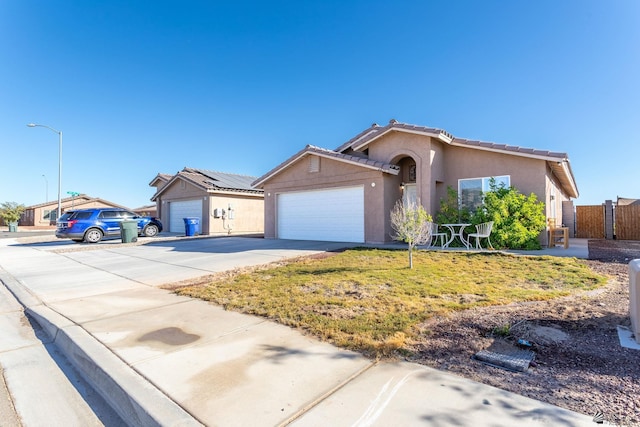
[449,212]
[11,211]
[517,219]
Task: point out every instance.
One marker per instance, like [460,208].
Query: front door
[410,194]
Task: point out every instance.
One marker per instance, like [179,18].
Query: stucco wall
[438,166]
[249,209]
[394,146]
[248,214]
[33,217]
[332,174]
[527,175]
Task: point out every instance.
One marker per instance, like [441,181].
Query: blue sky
[142,87]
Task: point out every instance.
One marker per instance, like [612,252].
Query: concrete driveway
[160,359]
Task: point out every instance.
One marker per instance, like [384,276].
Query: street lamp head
[59,132]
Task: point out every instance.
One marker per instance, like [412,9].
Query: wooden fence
[605,221]
[590,222]
[627,222]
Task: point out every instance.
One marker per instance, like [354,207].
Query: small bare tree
[411,224]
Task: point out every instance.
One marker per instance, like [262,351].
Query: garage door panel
[183,209]
[329,215]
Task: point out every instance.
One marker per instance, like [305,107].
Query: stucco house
[146,210]
[346,194]
[44,214]
[223,202]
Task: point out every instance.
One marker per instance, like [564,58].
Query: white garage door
[185,209]
[335,215]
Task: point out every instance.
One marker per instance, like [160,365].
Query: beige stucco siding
[34,217]
[527,174]
[332,174]
[394,146]
[248,214]
[248,208]
[438,165]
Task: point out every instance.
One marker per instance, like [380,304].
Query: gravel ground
[579,363]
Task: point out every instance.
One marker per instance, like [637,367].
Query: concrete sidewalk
[161,359]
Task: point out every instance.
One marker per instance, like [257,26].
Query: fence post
[569,217]
[608,219]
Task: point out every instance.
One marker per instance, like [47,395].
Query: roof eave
[562,169]
[546,157]
[309,150]
[249,193]
[363,143]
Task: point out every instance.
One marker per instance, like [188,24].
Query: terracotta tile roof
[376,131]
[77,202]
[323,152]
[559,162]
[385,167]
[63,200]
[508,148]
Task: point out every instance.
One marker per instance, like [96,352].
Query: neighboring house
[347,194]
[223,202]
[147,210]
[44,214]
[623,201]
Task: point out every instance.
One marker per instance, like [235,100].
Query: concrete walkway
[161,359]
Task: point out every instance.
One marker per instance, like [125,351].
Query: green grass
[369,300]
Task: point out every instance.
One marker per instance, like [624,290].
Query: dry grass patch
[369,300]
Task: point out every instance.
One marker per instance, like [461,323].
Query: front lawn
[369,300]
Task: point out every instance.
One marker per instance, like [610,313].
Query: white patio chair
[483,231]
[435,234]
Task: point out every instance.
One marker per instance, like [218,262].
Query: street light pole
[59,132]
[46,194]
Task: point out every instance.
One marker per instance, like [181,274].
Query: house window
[48,214]
[314,164]
[470,190]
[412,173]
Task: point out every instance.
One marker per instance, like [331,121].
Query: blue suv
[92,225]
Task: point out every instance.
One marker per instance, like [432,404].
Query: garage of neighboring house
[335,214]
[223,202]
[178,210]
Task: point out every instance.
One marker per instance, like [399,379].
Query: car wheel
[150,230]
[93,236]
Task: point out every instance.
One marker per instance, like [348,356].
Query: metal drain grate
[514,360]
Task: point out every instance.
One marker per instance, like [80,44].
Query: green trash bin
[13,227]
[129,231]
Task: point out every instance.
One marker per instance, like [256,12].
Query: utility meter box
[217,213]
[634,297]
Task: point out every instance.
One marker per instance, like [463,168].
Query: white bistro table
[456,231]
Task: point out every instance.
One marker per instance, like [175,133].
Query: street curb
[132,397]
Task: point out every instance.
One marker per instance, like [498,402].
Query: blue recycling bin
[191,226]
